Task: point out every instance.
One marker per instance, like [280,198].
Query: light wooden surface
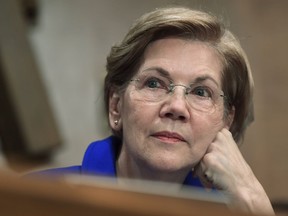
[41,197]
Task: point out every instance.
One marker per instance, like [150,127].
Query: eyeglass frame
[171,88]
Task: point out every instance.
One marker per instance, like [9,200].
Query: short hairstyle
[125,58]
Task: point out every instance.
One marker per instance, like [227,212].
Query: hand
[224,168]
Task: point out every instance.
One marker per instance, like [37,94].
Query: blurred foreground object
[93,196]
[28,130]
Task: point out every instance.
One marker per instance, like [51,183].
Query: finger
[206,181]
[204,175]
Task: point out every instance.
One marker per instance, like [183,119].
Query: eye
[153,82]
[202,91]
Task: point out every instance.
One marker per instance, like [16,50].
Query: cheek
[137,119]
[214,120]
[204,130]
[135,115]
[137,111]
[207,126]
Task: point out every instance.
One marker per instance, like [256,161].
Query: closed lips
[168,135]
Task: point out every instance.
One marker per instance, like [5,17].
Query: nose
[175,106]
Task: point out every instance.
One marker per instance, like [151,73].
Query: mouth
[167,136]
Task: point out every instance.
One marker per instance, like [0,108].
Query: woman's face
[169,134]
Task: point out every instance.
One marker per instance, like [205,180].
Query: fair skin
[164,141]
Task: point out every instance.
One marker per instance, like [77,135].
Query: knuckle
[208,159]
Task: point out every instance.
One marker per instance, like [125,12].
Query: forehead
[183,59]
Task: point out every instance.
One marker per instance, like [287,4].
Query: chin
[170,164]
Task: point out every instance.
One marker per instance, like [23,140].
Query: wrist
[252,200]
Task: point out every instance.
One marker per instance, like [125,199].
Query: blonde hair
[125,58]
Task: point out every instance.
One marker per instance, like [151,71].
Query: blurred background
[52,66]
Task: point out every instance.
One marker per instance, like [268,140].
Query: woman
[178,95]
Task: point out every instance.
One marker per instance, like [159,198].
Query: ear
[115,111]
[230,118]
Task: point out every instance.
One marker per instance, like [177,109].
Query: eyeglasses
[154,88]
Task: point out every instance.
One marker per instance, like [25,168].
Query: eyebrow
[160,70]
[163,72]
[206,77]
